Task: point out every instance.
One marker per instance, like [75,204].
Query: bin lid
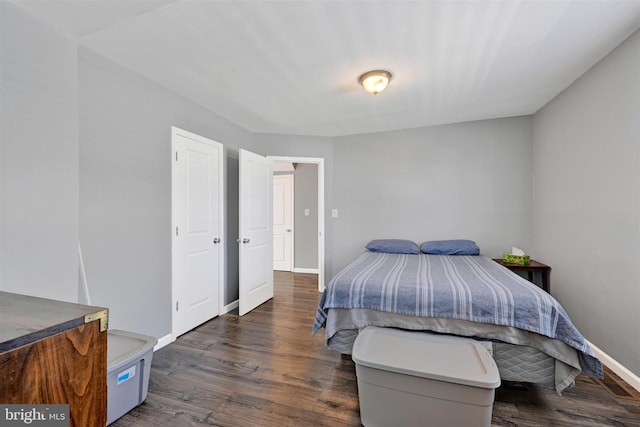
[123,347]
[438,357]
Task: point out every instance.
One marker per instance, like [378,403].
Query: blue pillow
[450,247]
[393,246]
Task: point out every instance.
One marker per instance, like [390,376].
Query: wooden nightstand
[532,267]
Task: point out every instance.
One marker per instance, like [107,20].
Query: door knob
[288,230]
[216,240]
[245,240]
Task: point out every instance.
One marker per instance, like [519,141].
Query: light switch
[306,212]
[334,213]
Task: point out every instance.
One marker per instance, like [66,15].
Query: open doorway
[308,241]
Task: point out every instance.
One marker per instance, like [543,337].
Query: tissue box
[516,259]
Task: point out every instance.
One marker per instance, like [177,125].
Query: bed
[528,331]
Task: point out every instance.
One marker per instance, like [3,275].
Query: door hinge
[176,305]
[176,156]
[176,230]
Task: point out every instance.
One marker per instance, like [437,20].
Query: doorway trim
[320,162]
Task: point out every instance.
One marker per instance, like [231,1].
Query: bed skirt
[520,355]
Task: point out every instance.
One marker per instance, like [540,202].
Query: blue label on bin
[126,375]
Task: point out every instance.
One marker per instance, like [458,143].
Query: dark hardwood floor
[265,369]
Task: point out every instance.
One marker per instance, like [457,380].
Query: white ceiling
[291,67]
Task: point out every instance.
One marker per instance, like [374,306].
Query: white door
[256,231]
[283,222]
[197,225]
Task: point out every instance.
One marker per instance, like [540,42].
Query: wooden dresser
[54,352]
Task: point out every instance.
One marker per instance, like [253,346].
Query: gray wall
[586,207]
[232,168]
[125,190]
[468,180]
[39,162]
[306,227]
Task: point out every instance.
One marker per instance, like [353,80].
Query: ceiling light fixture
[375,81]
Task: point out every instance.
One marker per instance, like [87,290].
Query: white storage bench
[419,379]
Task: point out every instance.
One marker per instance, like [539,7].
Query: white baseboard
[305,270]
[629,377]
[229,307]
[162,341]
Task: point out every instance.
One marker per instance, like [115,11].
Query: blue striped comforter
[472,288]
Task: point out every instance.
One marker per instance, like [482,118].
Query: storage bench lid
[439,357]
[123,347]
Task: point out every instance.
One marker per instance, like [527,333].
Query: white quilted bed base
[520,355]
[515,362]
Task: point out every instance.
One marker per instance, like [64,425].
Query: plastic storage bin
[128,365]
[414,378]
